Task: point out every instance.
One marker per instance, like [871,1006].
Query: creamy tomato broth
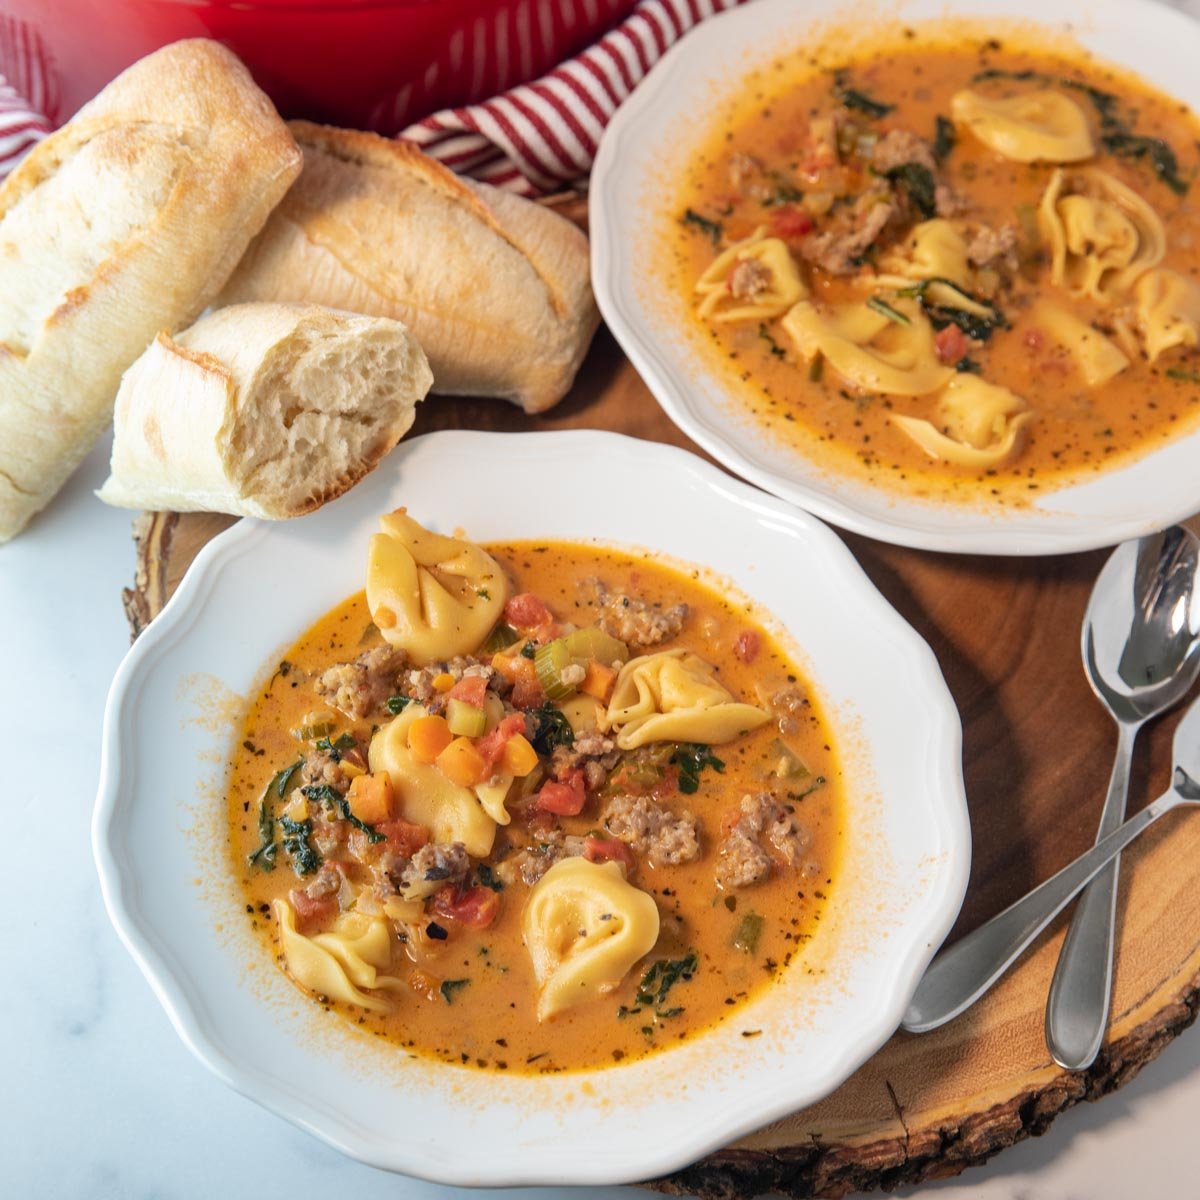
[963,269]
[672,805]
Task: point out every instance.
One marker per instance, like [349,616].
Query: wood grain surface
[1037,753]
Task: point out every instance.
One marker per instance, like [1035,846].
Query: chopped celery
[312,733]
[550,661]
[465,720]
[745,937]
[501,637]
[595,643]
[784,762]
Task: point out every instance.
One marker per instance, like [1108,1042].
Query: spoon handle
[960,975]
[1077,1010]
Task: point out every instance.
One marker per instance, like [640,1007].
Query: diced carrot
[514,666]
[371,797]
[598,681]
[519,756]
[443,682]
[428,737]
[461,763]
[491,745]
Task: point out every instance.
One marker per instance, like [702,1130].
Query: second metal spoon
[1141,652]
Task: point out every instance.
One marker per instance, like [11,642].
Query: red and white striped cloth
[536,138]
[24,93]
[543,135]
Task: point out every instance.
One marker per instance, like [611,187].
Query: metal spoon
[960,975]
[1141,652]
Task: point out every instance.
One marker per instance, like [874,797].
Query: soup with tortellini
[964,269]
[536,806]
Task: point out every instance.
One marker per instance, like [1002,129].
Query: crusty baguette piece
[126,221]
[262,410]
[495,288]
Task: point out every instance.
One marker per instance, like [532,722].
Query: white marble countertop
[101,1099]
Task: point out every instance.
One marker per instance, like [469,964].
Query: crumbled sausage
[530,864]
[655,832]
[841,253]
[361,688]
[900,146]
[748,278]
[994,247]
[634,621]
[417,684]
[742,859]
[321,768]
[432,867]
[592,751]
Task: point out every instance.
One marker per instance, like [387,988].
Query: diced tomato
[747,645]
[310,913]
[598,850]
[403,837]
[527,611]
[491,745]
[565,797]
[475,906]
[470,690]
[527,693]
[788,221]
[951,344]
[667,784]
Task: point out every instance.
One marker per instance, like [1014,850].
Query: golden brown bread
[495,288]
[262,410]
[124,222]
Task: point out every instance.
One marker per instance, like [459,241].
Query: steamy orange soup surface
[960,269]
[534,807]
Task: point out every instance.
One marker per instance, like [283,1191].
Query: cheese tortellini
[1101,234]
[426,797]
[1042,126]
[433,597]
[584,926]
[674,696]
[1096,357]
[340,962]
[982,422]
[869,349]
[1168,311]
[935,249]
[754,280]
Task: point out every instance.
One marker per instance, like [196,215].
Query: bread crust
[496,288]
[263,410]
[124,222]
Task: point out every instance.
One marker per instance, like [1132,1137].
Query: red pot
[369,64]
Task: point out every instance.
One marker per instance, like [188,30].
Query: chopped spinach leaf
[1181,374]
[552,729]
[305,860]
[775,348]
[918,182]
[488,878]
[436,931]
[450,986]
[817,782]
[691,758]
[940,315]
[322,793]
[945,138]
[1162,157]
[786,192]
[714,229]
[264,856]
[529,650]
[663,975]
[337,748]
[968,366]
[397,704]
[859,101]
[816,368]
[886,310]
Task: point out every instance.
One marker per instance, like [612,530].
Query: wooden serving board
[1037,753]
